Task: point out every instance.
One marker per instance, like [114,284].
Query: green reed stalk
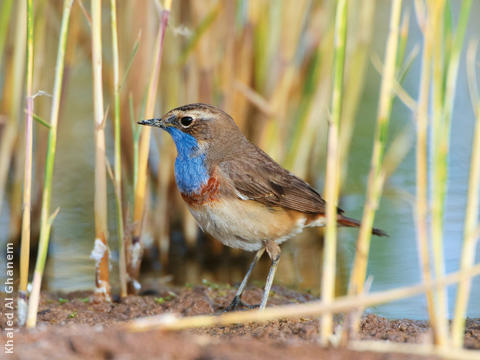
[374,191]
[332,176]
[470,234]
[446,60]
[439,165]
[134,249]
[422,168]
[46,218]
[27,179]
[100,251]
[118,156]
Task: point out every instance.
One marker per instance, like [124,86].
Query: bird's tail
[346,221]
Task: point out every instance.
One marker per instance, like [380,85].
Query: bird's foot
[238,302]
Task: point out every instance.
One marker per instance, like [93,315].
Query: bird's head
[196,128]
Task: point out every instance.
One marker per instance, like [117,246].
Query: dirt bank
[71,326]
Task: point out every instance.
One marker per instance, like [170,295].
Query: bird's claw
[237,301]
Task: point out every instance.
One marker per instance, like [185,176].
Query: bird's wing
[256,176]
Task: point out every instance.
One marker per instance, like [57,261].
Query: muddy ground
[71,326]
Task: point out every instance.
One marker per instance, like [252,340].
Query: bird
[236,192]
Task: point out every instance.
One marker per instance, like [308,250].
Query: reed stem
[27,175]
[332,177]
[135,247]
[421,169]
[118,157]
[375,183]
[436,11]
[470,233]
[100,252]
[45,218]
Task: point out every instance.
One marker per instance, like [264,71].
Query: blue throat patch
[190,170]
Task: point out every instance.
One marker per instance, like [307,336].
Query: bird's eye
[186,121]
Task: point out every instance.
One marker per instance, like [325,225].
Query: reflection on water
[393,261]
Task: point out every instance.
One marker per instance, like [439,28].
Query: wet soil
[72,326]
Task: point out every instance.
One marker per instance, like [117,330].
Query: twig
[413,349]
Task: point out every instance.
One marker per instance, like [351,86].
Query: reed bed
[291,73]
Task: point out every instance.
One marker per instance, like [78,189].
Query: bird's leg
[236,300]
[273,251]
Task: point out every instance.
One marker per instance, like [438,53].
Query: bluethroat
[235,191]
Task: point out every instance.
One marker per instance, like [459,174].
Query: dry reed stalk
[170,322]
[47,218]
[332,176]
[374,190]
[470,232]
[122,267]
[421,204]
[436,14]
[101,251]
[27,180]
[134,247]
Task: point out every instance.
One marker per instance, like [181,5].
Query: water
[393,261]
[388,268]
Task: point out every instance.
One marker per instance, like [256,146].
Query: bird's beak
[152,122]
[162,123]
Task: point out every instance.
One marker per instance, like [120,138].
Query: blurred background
[269,65]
